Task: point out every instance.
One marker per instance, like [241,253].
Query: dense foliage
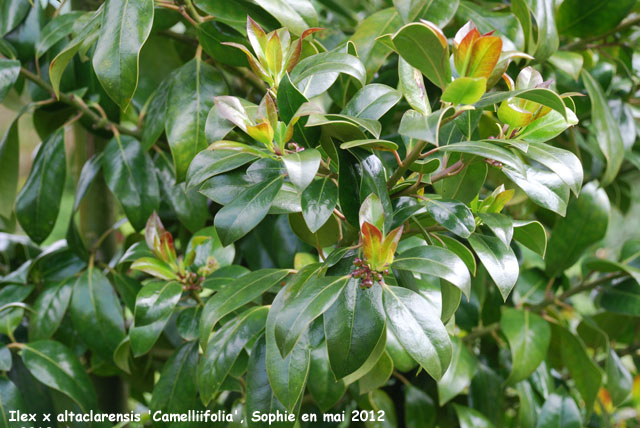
[418,213]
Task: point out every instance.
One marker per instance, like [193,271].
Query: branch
[77,103]
[481,331]
[412,156]
[581,44]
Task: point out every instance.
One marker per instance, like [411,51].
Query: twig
[73,101]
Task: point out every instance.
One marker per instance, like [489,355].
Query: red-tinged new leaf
[462,45]
[389,246]
[254,64]
[485,54]
[294,54]
[371,242]
[262,132]
[257,37]
[273,54]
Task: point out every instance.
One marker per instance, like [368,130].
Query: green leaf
[242,291]
[302,167]
[9,72]
[500,224]
[379,403]
[314,299]
[528,336]
[56,30]
[371,51]
[86,36]
[564,163]
[296,15]
[5,359]
[154,305]
[531,234]
[130,175]
[38,202]
[11,399]
[466,185]
[423,48]
[420,332]
[96,313]
[189,205]
[209,163]
[12,12]
[498,259]
[419,408]
[125,27]
[543,187]
[318,202]
[487,150]
[353,326]
[224,349]
[459,249]
[175,391]
[289,100]
[559,411]
[248,209]
[607,131]
[49,309]
[547,127]
[438,262]
[188,103]
[590,17]
[437,11]
[259,395]
[56,366]
[465,90]
[529,405]
[604,265]
[585,224]
[326,66]
[371,144]
[453,215]
[459,374]
[411,84]
[568,62]
[287,376]
[372,101]
[622,298]
[323,386]
[378,376]
[155,116]
[471,418]
[9,168]
[585,373]
[619,380]
[543,96]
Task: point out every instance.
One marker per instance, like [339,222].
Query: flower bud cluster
[366,275]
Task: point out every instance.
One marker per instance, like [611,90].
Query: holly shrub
[301,213]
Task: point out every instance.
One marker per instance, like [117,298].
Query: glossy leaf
[323,386]
[353,327]
[420,332]
[9,71]
[458,375]
[154,304]
[189,100]
[585,224]
[426,49]
[528,336]
[38,202]
[438,262]
[130,175]
[559,411]
[372,101]
[57,367]
[175,390]
[590,18]
[9,172]
[302,167]
[242,291]
[225,347]
[453,215]
[96,312]
[49,309]
[607,132]
[125,27]
[498,259]
[248,209]
[465,90]
[314,299]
